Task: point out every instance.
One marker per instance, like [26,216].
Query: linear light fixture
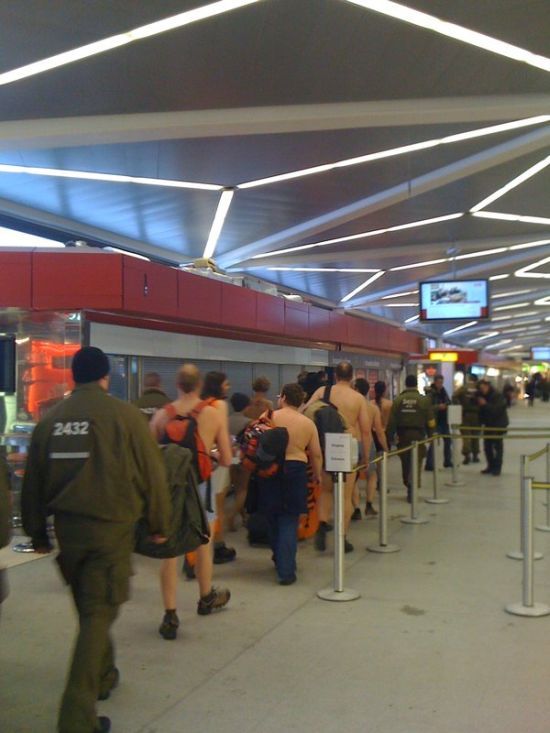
[499,343]
[424,263]
[412,319]
[527,270]
[543,301]
[510,293]
[396,305]
[109,177]
[528,245]
[119,251]
[322,269]
[121,39]
[459,328]
[482,253]
[515,316]
[13,239]
[499,277]
[362,235]
[362,287]
[454,31]
[512,217]
[392,152]
[484,337]
[219,218]
[400,295]
[510,307]
[517,181]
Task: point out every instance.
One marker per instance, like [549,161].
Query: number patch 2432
[71,428]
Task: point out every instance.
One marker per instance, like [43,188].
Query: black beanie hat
[89,364]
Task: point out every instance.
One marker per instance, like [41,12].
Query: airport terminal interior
[288,191]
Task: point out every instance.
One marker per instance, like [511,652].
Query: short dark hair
[151,379]
[239,401]
[344,371]
[362,386]
[212,386]
[438,376]
[261,384]
[411,380]
[293,394]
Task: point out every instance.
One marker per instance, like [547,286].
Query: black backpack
[326,417]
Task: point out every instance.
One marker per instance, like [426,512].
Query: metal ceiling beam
[406,190]
[107,129]
[84,231]
[364,257]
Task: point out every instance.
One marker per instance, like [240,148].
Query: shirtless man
[353,408]
[212,427]
[379,444]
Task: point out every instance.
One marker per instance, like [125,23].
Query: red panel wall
[270,314]
[76,280]
[15,279]
[296,319]
[319,324]
[150,288]
[239,307]
[338,327]
[199,299]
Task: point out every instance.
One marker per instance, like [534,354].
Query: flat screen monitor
[7,364]
[541,353]
[454,300]
[478,370]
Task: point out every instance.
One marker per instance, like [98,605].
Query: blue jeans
[283,537]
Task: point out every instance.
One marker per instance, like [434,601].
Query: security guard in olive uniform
[412,418]
[153,398]
[467,397]
[93,464]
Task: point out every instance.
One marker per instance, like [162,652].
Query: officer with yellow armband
[412,418]
[93,464]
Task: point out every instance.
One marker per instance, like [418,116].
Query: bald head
[344,371]
[188,379]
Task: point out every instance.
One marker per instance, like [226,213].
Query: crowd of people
[96,464]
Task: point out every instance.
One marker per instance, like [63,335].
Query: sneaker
[113,680]
[288,581]
[103,724]
[370,511]
[188,570]
[321,537]
[216,599]
[169,626]
[348,547]
[487,470]
[356,516]
[223,554]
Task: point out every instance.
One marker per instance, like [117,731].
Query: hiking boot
[188,570]
[356,516]
[223,554]
[348,547]
[288,581]
[113,681]
[321,537]
[216,599]
[103,724]
[169,626]
[495,472]
[370,511]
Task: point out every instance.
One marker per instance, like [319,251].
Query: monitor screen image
[454,300]
[541,353]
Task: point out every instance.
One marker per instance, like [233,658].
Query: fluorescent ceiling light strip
[543,301]
[392,152]
[482,253]
[459,328]
[412,319]
[400,295]
[109,177]
[512,217]
[499,343]
[219,218]
[484,338]
[361,235]
[425,263]
[362,287]
[119,251]
[509,307]
[454,31]
[499,277]
[14,239]
[396,305]
[528,245]
[322,269]
[527,270]
[510,293]
[121,39]
[529,173]
[515,316]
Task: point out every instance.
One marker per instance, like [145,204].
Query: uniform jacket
[439,397]
[150,401]
[467,397]
[411,411]
[93,456]
[494,413]
[4,504]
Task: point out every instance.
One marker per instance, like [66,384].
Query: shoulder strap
[326,394]
[208,402]
[170,411]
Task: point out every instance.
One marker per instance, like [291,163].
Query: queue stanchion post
[528,607]
[338,460]
[546,527]
[518,554]
[414,518]
[455,480]
[435,499]
[383,546]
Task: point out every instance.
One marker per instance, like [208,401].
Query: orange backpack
[184,430]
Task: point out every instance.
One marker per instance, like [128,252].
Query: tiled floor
[426,649]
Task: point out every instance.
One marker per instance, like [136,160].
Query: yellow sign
[444,356]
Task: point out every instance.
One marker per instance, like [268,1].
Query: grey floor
[427,648]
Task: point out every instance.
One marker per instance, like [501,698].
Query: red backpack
[184,430]
[263,446]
